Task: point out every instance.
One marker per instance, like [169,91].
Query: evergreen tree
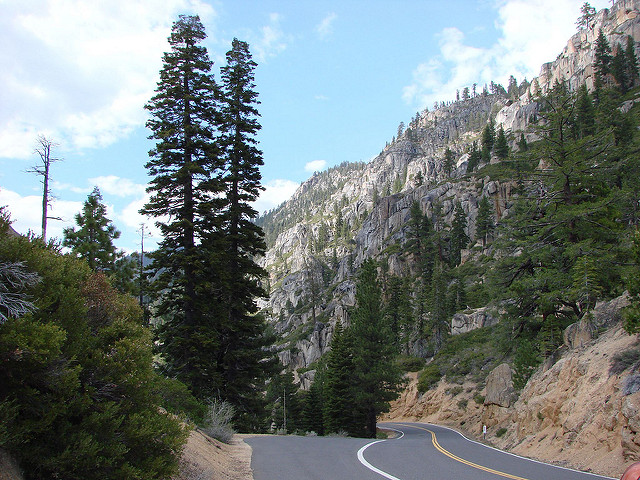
[484,221]
[501,147]
[313,403]
[512,88]
[631,314]
[459,237]
[93,241]
[420,241]
[448,161]
[631,61]
[570,213]
[184,164]
[587,12]
[438,325]
[398,311]
[488,140]
[338,405]
[375,376]
[242,360]
[522,144]
[475,156]
[585,113]
[602,62]
[619,69]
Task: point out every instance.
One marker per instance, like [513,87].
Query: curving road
[423,451]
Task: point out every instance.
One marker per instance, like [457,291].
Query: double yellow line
[434,440]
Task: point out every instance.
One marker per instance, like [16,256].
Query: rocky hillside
[581,409]
[339,217]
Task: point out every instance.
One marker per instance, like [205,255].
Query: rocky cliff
[354,211]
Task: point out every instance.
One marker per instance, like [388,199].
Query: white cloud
[81,71]
[315,165]
[275,193]
[325,27]
[272,40]
[114,185]
[532,32]
[26,213]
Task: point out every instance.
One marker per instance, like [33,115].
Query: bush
[624,360]
[479,399]
[218,421]
[501,432]
[428,377]
[178,400]
[453,391]
[410,364]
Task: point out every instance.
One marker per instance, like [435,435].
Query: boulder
[500,390]
[465,322]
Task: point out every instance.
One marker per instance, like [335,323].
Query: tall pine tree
[184,164]
[376,378]
[242,360]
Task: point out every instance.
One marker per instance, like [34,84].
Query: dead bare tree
[43,149]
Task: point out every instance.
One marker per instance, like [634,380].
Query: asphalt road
[424,451]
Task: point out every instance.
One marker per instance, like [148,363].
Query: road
[423,451]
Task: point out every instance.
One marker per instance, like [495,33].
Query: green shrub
[623,360]
[462,404]
[410,364]
[501,431]
[429,376]
[453,391]
[479,399]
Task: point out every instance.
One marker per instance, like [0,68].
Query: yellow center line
[434,440]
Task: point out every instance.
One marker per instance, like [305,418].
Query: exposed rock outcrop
[574,413]
[465,322]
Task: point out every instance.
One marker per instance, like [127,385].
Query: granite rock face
[338,218]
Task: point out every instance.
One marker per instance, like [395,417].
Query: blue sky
[335,79]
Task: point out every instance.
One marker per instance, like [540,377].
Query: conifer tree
[338,384]
[501,147]
[587,12]
[488,140]
[619,69]
[631,61]
[184,165]
[93,241]
[398,310]
[522,143]
[242,360]
[448,161]
[459,237]
[475,156]
[375,376]
[484,221]
[602,62]
[585,113]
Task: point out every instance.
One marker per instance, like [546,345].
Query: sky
[334,77]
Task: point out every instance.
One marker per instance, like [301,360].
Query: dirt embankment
[205,458]
[572,413]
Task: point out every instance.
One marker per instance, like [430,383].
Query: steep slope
[577,412]
[349,213]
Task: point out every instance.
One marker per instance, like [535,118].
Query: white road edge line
[515,454]
[371,467]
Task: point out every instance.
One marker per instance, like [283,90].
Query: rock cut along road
[422,451]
